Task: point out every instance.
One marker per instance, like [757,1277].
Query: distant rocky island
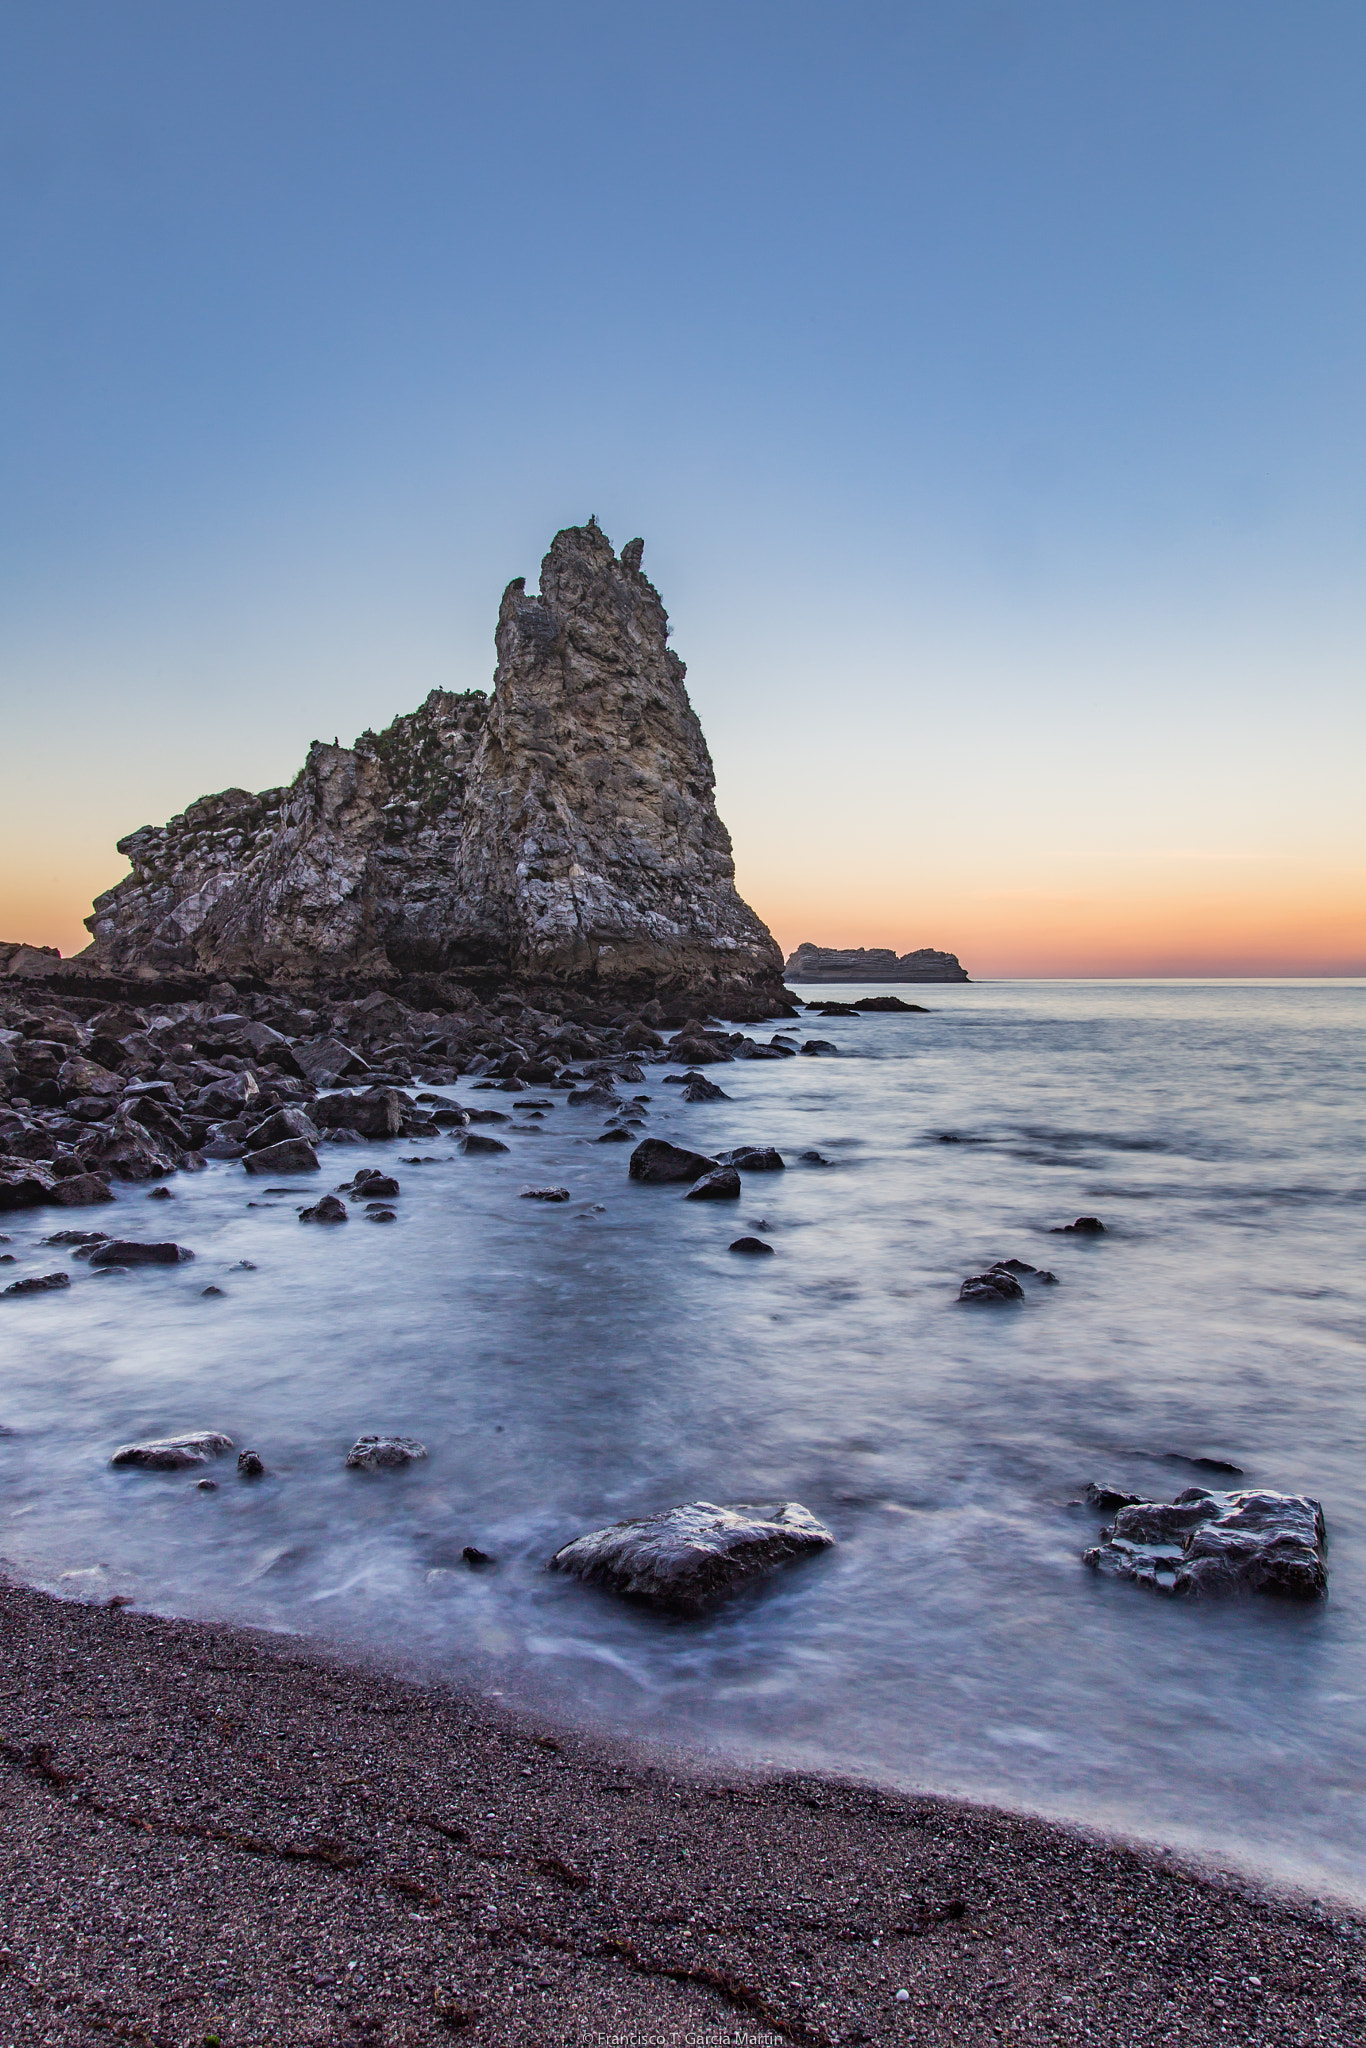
[560,832]
[871,963]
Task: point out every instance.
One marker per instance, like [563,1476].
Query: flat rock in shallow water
[1203,1543]
[174,1453]
[687,1558]
[475,1141]
[124,1251]
[377,1453]
[40,1283]
[756,1159]
[544,1194]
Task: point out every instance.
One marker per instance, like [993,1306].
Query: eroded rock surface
[378,1453]
[174,1453]
[1211,1543]
[564,827]
[688,1558]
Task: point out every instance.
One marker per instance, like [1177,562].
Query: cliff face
[564,828]
[871,963]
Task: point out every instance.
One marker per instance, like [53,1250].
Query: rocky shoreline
[215,1837]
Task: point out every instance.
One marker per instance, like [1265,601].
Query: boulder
[126,1251]
[371,1185]
[251,1465]
[722,1184]
[79,1077]
[25,1183]
[819,1045]
[699,1089]
[996,1284]
[654,1159]
[698,1052]
[376,1114]
[688,1558]
[597,1094]
[1085,1226]
[288,1121]
[475,1141]
[755,1159]
[1212,1543]
[291,1155]
[317,1056]
[327,1210]
[124,1149]
[83,1190]
[174,1453]
[377,1453]
[40,1283]
[752,1246]
[544,1194]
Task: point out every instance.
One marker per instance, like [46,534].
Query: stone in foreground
[174,1453]
[40,1283]
[1210,1543]
[654,1159]
[378,1453]
[686,1559]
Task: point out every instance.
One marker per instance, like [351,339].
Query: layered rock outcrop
[564,828]
[871,963]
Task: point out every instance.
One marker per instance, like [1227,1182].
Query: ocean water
[570,1365]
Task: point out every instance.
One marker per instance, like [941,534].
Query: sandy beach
[211,1836]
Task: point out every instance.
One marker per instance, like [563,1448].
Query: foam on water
[570,1364]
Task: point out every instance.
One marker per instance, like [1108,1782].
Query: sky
[986,381]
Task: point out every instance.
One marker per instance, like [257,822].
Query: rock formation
[563,829]
[871,963]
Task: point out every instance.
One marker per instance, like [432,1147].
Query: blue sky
[985,379]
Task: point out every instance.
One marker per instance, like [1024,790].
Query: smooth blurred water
[570,1365]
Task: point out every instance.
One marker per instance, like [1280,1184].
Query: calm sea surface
[571,1365]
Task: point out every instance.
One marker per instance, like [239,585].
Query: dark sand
[208,1834]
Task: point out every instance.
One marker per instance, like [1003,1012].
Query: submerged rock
[251,1464]
[174,1453]
[753,1246]
[544,1194]
[328,1210]
[757,1158]
[40,1283]
[654,1159]
[1085,1226]
[379,1453]
[687,1558]
[998,1283]
[1211,1543]
[698,1088]
[475,1141]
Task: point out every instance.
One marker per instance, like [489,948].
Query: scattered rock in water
[688,1558]
[378,1113]
[1221,1465]
[818,1045]
[328,1210]
[39,1283]
[475,1141]
[124,1251]
[947,1138]
[251,1465]
[371,1185]
[998,1283]
[756,1159]
[751,1245]
[596,1094]
[207,1292]
[699,1089]
[654,1159]
[1107,1500]
[477,1560]
[206,1486]
[76,1237]
[25,1183]
[81,1191]
[288,1121]
[377,1213]
[618,1135]
[814,1159]
[162,1195]
[174,1453]
[379,1453]
[721,1185]
[530,1194]
[1085,1226]
[291,1155]
[1213,1543]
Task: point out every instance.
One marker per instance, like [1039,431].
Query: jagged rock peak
[564,827]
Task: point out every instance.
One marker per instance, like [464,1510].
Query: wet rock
[618,1136]
[291,1155]
[76,1237]
[688,1558]
[379,1453]
[654,1159]
[127,1151]
[699,1089]
[206,1486]
[1220,1465]
[756,1158]
[698,1052]
[378,1214]
[328,1210]
[1213,1543]
[82,1191]
[207,1293]
[752,1247]
[251,1465]
[596,1095]
[477,1560]
[79,1077]
[40,1283]
[125,1251]
[996,1284]
[288,1121]
[174,1453]
[1085,1226]
[370,1185]
[161,1195]
[819,1045]
[530,1194]
[25,1183]
[376,1114]
[720,1185]
[814,1159]
[1106,1500]
[475,1141]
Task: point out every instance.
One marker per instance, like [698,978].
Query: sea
[569,1365]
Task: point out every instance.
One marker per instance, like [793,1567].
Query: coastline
[212,1832]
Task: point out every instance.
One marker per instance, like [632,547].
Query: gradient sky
[986,380]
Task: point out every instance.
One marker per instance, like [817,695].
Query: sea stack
[871,963]
[562,830]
